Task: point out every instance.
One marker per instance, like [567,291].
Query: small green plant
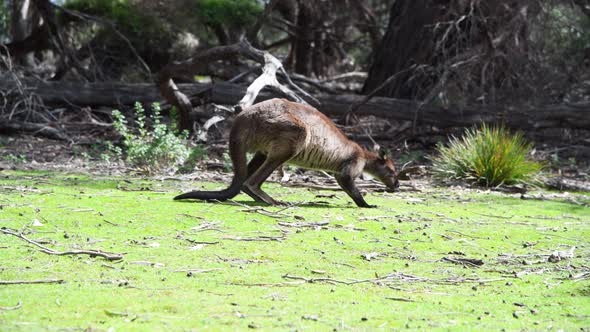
[153,150]
[487,156]
[15,158]
[111,152]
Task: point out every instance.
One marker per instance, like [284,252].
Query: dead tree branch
[199,64]
[38,129]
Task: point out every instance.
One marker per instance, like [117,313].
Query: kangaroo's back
[317,141]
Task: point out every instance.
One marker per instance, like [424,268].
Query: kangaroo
[279,131]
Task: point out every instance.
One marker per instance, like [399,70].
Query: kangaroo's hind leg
[255,181]
[253,166]
[280,150]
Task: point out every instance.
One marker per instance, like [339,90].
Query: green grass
[239,285]
[489,156]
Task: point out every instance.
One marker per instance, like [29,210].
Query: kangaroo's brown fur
[278,131]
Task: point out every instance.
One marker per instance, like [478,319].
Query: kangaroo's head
[379,165]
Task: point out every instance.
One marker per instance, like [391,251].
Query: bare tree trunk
[303,42]
[462,49]
[24,20]
[408,41]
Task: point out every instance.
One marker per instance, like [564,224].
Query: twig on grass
[471,262]
[207,226]
[17,306]
[280,284]
[193,271]
[49,251]
[257,238]
[30,282]
[301,225]
[257,209]
[383,280]
[401,299]
[580,276]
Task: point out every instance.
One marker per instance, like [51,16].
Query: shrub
[230,12]
[155,150]
[486,156]
[111,50]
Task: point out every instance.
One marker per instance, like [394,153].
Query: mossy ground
[280,272]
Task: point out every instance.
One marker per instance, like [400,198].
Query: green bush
[565,32]
[154,149]
[230,12]
[486,156]
[149,35]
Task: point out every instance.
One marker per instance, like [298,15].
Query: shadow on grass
[254,204]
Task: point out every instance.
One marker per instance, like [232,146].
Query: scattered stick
[147,263]
[91,253]
[257,209]
[30,282]
[471,262]
[200,242]
[394,277]
[301,225]
[316,280]
[207,226]
[581,276]
[280,284]
[258,238]
[193,271]
[17,306]
[401,299]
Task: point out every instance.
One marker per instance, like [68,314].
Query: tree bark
[27,35]
[407,41]
[104,94]
[460,49]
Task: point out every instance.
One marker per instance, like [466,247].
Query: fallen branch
[9,127]
[29,282]
[113,94]
[199,64]
[49,251]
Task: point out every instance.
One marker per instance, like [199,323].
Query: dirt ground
[36,153]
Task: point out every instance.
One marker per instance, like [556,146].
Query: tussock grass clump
[489,156]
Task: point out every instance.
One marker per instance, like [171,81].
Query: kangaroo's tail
[238,157]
